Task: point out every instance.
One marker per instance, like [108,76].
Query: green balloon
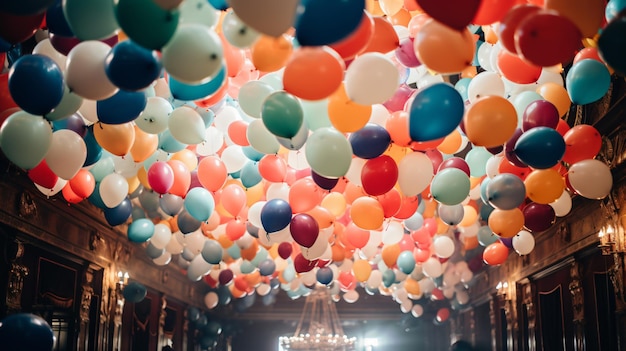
[25,139]
[329,153]
[70,103]
[282,114]
[316,114]
[146,23]
[450,186]
[91,20]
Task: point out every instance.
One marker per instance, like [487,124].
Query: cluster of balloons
[393,145]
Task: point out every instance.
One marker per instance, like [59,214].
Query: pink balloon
[160,177]
[304,229]
[406,54]
[399,98]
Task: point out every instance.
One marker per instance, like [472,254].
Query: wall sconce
[613,239]
[122,279]
[502,289]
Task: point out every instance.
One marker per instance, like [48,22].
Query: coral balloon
[322,63]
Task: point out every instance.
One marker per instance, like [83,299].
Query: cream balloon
[154,118]
[372,78]
[113,189]
[66,154]
[563,205]
[261,139]
[485,84]
[85,74]
[187,126]
[415,171]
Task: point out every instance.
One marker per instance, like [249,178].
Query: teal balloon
[587,81]
[389,278]
[94,150]
[406,262]
[188,92]
[252,154]
[485,236]
[540,147]
[612,41]
[246,267]
[25,139]
[505,191]
[212,251]
[91,20]
[250,175]
[282,114]
[485,211]
[140,230]
[199,203]
[329,153]
[134,292]
[95,198]
[234,252]
[261,256]
[450,186]
[435,112]
[168,143]
[146,23]
[483,190]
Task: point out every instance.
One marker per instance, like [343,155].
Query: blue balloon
[234,252]
[415,222]
[25,331]
[94,150]
[613,8]
[140,230]
[212,251]
[540,147]
[485,211]
[588,81]
[187,223]
[56,22]
[435,112]
[252,154]
[461,86]
[406,262]
[275,215]
[199,202]
[339,19]
[505,191]
[132,67]
[324,275]
[370,141]
[267,267]
[250,175]
[36,84]
[224,295]
[169,144]
[389,278]
[123,107]
[134,292]
[188,92]
[119,214]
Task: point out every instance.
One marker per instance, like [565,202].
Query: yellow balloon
[544,186]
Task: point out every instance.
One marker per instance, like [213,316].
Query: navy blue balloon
[323,22]
[612,44]
[25,331]
[56,21]
[324,275]
[540,147]
[370,141]
[275,215]
[323,182]
[435,112]
[221,5]
[132,67]
[123,107]
[119,214]
[94,150]
[134,292]
[36,84]
[186,92]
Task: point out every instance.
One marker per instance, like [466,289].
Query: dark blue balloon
[540,147]
[275,215]
[323,22]
[612,44]
[5,45]
[324,275]
[370,141]
[94,150]
[323,182]
[25,331]
[187,92]
[221,5]
[123,107]
[134,292]
[119,214]
[36,84]
[56,21]
[132,67]
[435,112]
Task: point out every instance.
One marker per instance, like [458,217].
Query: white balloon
[485,84]
[214,142]
[261,139]
[354,172]
[278,191]
[371,78]
[44,47]
[237,33]
[417,310]
[351,296]
[375,279]
[393,233]
[126,166]
[415,171]
[591,178]
[198,12]
[563,205]
[234,159]
[211,299]
[484,54]
[432,268]
[251,96]
[113,189]
[379,115]
[297,159]
[174,246]
[154,118]
[58,186]
[67,153]
[187,126]
[163,260]
[198,268]
[88,111]
[523,242]
[443,246]
[85,74]
[161,237]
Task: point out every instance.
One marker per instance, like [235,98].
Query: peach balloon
[304,195]
[270,54]
[117,139]
[187,157]
[212,173]
[273,168]
[367,213]
[182,178]
[345,115]
[144,146]
[233,199]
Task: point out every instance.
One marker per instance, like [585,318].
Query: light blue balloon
[613,8]
[260,256]
[450,186]
[406,262]
[91,20]
[521,101]
[485,236]
[587,81]
[251,96]
[140,230]
[476,159]
[246,267]
[461,87]
[415,222]
[25,139]
[102,168]
[451,215]
[168,143]
[252,153]
[316,114]
[234,251]
[506,191]
[199,203]
[212,251]
[289,273]
[250,175]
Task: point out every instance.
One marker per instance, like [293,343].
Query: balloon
[490,121]
[237,32]
[85,74]
[439,99]
[132,67]
[458,19]
[510,23]
[450,186]
[160,177]
[282,114]
[25,139]
[587,81]
[90,21]
[581,142]
[406,262]
[328,153]
[118,214]
[187,126]
[252,95]
[379,175]
[270,54]
[544,185]
[371,79]
[384,39]
[367,213]
[538,217]
[113,189]
[338,23]
[370,141]
[320,62]
[346,115]
[25,331]
[270,17]
[455,162]
[275,215]
[324,182]
[485,84]
[611,44]
[588,16]
[199,203]
[516,70]
[212,252]
[540,113]
[451,215]
[443,49]
[146,23]
[233,199]
[495,254]
[140,230]
[134,292]
[506,191]
[304,229]
[540,147]
[523,243]
[415,171]
[117,139]
[590,178]
[66,154]
[506,223]
[46,94]
[358,40]
[154,118]
[122,107]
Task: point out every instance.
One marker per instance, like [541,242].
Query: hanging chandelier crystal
[319,328]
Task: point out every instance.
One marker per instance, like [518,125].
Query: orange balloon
[490,121]
[269,54]
[557,95]
[401,18]
[384,39]
[323,217]
[390,254]
[253,194]
[273,168]
[322,64]
[398,127]
[495,254]
[470,215]
[408,206]
[83,183]
[142,175]
[212,173]
[133,184]
[362,270]
[338,252]
[117,139]
[412,286]
[187,157]
[356,236]
[335,203]
[373,7]
[470,243]
[451,143]
[237,132]
[357,41]
[346,115]
[144,146]
[353,192]
[443,49]
[182,178]
[506,223]
[544,186]
[367,213]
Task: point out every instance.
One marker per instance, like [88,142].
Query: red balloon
[391,202]
[160,177]
[546,38]
[582,142]
[513,68]
[42,175]
[491,11]
[511,21]
[225,277]
[443,314]
[16,29]
[540,113]
[83,183]
[284,250]
[462,15]
[408,206]
[357,41]
[304,229]
[495,254]
[538,217]
[379,175]
[302,265]
[455,162]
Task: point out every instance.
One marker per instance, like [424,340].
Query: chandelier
[319,328]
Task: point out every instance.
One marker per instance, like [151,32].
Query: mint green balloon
[25,139]
[316,114]
[102,168]
[450,186]
[91,20]
[477,159]
[146,23]
[282,114]
[328,152]
[252,95]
